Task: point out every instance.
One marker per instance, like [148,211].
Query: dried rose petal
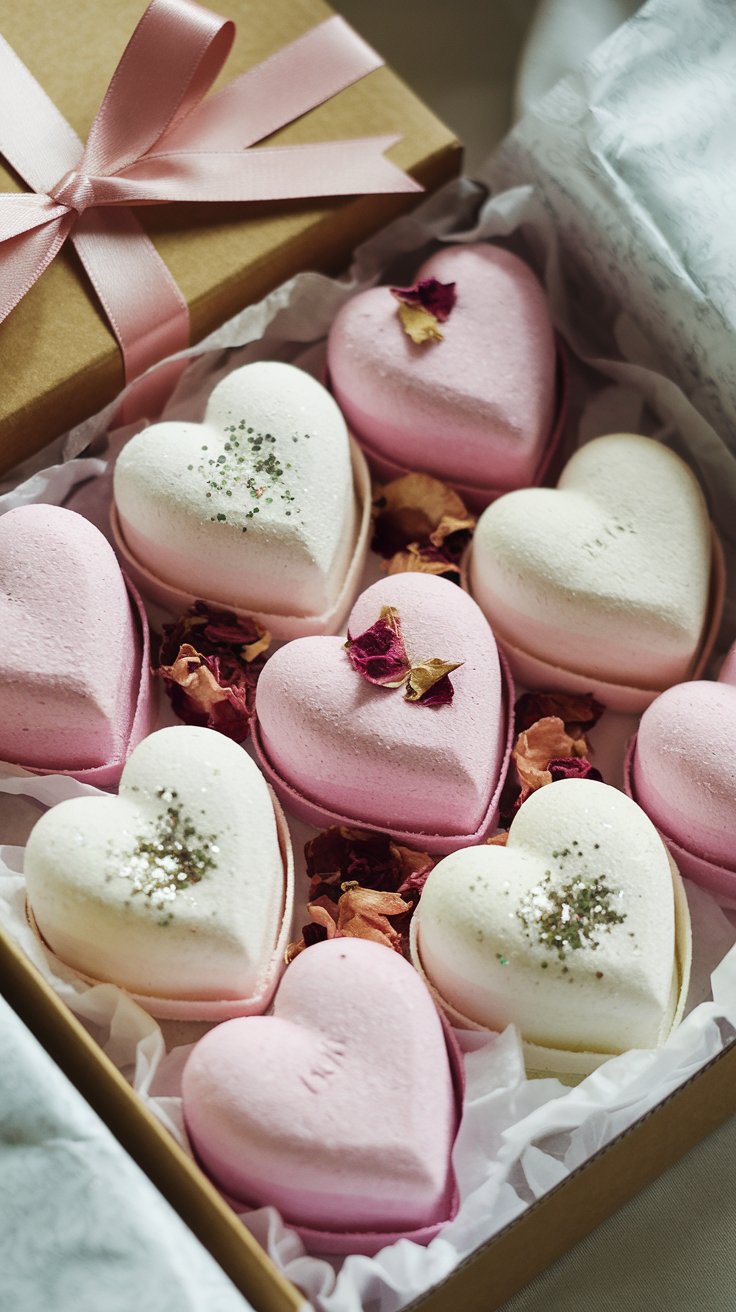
[423,560]
[419,325]
[201,692]
[323,925]
[573,767]
[437,298]
[379,654]
[578,711]
[498,840]
[339,854]
[417,508]
[545,740]
[210,661]
[365,913]
[429,682]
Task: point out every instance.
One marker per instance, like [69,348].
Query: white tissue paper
[607,185]
[82,1227]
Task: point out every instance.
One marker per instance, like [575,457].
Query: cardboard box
[60,361]
[497,1270]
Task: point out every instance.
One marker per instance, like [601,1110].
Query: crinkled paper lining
[519,1138]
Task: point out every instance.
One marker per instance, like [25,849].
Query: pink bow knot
[158,137]
[75,190]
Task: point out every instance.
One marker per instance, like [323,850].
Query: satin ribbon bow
[156,139]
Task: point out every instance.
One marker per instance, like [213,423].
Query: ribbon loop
[75,190]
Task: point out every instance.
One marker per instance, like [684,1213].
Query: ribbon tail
[148,313]
[268,173]
[31,236]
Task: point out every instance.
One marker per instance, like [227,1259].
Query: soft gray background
[673,1248]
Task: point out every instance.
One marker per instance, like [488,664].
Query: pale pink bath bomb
[684,767]
[71,652]
[366,753]
[339,1109]
[475,408]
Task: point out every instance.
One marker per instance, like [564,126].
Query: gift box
[556,1178]
[61,362]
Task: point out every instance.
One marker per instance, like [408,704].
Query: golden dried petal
[542,742]
[425,675]
[417,508]
[253,649]
[419,324]
[498,840]
[416,560]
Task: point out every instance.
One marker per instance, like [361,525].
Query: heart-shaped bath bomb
[367,755]
[605,577]
[255,507]
[71,653]
[684,772]
[568,931]
[175,888]
[476,408]
[339,1109]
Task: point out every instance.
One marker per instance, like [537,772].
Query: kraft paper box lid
[59,361]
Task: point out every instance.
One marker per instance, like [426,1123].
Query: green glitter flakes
[247,469]
[569,916]
[168,856]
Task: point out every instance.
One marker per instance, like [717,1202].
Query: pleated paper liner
[175,600]
[218,1009]
[569,1065]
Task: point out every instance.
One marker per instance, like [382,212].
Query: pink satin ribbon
[156,139]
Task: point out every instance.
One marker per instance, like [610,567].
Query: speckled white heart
[604,583]
[575,930]
[179,889]
[263,508]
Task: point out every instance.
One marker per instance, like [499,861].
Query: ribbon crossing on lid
[156,139]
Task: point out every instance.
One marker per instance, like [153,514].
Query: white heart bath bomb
[568,931]
[607,575]
[255,507]
[175,888]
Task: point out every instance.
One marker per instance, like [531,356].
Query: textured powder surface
[339,1109]
[365,751]
[608,574]
[497,926]
[71,651]
[476,407]
[255,507]
[195,921]
[685,768]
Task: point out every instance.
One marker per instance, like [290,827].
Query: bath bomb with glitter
[476,407]
[343,742]
[339,1109]
[567,932]
[254,508]
[175,889]
[603,582]
[682,771]
[72,662]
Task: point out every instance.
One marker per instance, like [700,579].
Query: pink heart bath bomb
[476,409]
[339,750]
[75,686]
[681,769]
[339,1109]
